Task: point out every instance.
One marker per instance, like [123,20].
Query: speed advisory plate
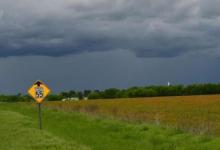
[39,91]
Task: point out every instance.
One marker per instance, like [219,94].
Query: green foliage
[15,98]
[54,97]
[111,93]
[133,92]
[94,95]
[18,132]
[80,95]
[152,91]
[86,93]
[71,131]
[72,94]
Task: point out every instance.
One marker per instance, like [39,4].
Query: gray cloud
[149,28]
[101,70]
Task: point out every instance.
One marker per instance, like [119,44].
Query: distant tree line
[70,94]
[153,91]
[133,92]
[52,97]
[15,98]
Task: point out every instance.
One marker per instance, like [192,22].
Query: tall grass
[196,114]
[19,131]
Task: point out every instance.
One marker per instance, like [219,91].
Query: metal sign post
[39,116]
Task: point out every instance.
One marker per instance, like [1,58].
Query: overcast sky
[98,44]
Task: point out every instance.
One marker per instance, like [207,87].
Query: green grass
[64,130]
[16,133]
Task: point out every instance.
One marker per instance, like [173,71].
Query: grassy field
[195,114]
[18,132]
[67,126]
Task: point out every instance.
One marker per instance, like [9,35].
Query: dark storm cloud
[98,70]
[149,28]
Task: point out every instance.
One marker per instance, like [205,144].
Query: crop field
[163,123]
[195,114]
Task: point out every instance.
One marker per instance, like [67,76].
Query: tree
[111,93]
[72,93]
[86,93]
[80,95]
[64,94]
[94,95]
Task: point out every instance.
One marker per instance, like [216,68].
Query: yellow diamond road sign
[39,91]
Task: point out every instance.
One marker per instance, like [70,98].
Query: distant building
[70,99]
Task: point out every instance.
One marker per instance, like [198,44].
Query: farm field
[110,124]
[195,114]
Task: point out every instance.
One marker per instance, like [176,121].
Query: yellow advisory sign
[39,91]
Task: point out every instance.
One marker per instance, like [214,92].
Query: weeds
[195,114]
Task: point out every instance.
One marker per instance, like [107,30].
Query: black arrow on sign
[38,83]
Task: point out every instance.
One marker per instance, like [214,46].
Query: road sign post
[39,116]
[39,92]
